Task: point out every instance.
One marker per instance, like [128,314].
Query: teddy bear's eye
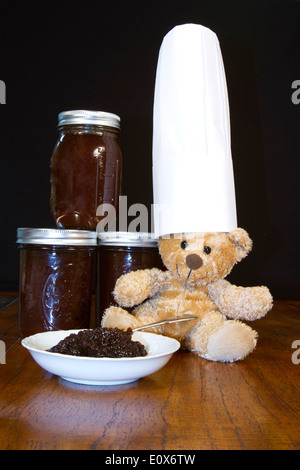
[184,245]
[207,250]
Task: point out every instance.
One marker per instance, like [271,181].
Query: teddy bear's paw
[251,303]
[264,300]
[232,342]
[132,289]
[116,317]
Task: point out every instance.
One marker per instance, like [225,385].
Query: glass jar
[86,168]
[56,279]
[120,253]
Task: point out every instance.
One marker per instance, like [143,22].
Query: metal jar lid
[96,118]
[130,239]
[55,237]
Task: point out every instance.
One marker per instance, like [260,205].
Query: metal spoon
[165,322]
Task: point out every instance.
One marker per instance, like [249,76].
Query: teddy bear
[194,284]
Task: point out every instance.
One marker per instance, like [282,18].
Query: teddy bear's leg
[219,340]
[116,317]
[232,342]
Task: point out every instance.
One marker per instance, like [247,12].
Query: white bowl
[101,371]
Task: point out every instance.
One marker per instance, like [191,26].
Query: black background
[103,56]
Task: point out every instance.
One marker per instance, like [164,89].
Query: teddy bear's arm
[135,287]
[242,303]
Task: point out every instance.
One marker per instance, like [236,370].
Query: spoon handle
[165,322]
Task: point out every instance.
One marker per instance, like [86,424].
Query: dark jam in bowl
[56,284]
[86,168]
[118,254]
[101,342]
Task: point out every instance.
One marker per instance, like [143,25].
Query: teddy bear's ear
[242,242]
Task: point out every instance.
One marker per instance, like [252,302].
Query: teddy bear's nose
[194,261]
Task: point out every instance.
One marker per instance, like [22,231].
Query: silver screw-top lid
[35,236]
[82,117]
[131,239]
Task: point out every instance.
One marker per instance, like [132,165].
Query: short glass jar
[56,279]
[120,253]
[86,168]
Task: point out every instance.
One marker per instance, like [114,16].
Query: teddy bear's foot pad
[232,342]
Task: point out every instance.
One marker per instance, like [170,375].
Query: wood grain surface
[191,404]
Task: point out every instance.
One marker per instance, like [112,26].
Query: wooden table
[191,404]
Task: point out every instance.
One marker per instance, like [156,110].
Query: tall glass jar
[56,279]
[86,168]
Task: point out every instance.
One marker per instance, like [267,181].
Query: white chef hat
[193,178]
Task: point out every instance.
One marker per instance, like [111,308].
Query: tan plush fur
[194,284]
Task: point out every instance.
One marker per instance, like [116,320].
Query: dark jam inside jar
[86,172]
[56,285]
[113,262]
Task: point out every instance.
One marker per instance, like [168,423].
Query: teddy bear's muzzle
[194,262]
